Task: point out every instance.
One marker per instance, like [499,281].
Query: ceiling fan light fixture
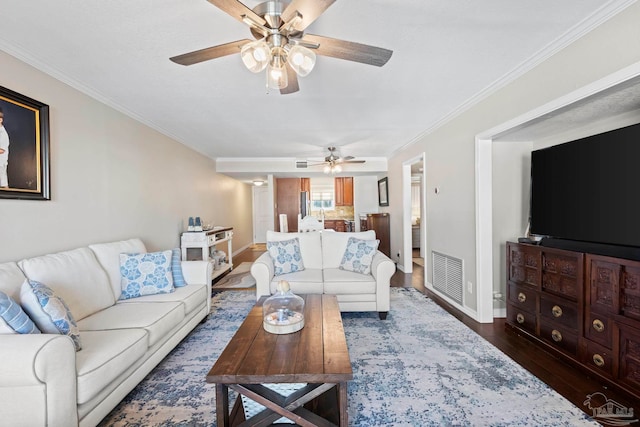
[332,169]
[276,73]
[302,60]
[255,55]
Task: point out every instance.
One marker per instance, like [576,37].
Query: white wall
[450,148]
[365,196]
[112,178]
[511,177]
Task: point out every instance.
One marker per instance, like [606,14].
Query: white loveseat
[45,382]
[322,254]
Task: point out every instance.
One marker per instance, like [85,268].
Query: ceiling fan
[280,44]
[333,163]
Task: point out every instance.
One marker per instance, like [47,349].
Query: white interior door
[262,214]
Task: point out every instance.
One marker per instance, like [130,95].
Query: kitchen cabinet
[335,224]
[343,188]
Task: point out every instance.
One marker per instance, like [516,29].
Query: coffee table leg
[222,405]
[342,404]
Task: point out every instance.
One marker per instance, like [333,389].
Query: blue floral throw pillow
[286,256]
[48,311]
[145,274]
[358,255]
[13,320]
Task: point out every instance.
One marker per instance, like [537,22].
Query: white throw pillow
[13,320]
[48,311]
[358,255]
[286,256]
[145,274]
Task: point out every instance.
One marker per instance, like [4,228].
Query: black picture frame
[383,192]
[26,122]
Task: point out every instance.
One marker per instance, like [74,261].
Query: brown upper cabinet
[344,191]
[305,185]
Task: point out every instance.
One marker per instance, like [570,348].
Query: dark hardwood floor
[568,380]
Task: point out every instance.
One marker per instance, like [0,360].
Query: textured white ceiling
[445,54]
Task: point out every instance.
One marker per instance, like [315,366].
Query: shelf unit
[196,246]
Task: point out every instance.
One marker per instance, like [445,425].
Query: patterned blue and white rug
[420,367]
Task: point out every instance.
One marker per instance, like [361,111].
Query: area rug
[420,367]
[238,278]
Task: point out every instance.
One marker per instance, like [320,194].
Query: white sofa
[321,255]
[45,382]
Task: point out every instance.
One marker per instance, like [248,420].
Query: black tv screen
[589,189]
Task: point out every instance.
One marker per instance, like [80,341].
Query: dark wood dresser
[582,306]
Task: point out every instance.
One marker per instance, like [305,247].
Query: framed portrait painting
[383,192]
[24,147]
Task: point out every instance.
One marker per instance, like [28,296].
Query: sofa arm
[38,380]
[263,271]
[382,268]
[198,273]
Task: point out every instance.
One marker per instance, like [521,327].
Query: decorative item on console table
[582,306]
[196,246]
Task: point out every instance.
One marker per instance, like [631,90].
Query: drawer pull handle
[598,325]
[598,360]
[520,318]
[522,297]
[556,335]
[556,311]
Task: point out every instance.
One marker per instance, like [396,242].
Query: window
[322,194]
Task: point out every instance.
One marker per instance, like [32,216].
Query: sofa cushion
[145,274]
[190,296]
[105,356]
[13,319]
[338,282]
[308,281]
[76,276]
[49,311]
[334,245]
[11,278]
[358,255]
[157,318]
[310,246]
[286,256]
[108,254]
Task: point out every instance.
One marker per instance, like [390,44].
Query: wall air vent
[448,275]
[301,164]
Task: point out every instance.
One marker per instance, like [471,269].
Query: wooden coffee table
[316,355]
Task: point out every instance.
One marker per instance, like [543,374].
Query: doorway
[414,212]
[262,214]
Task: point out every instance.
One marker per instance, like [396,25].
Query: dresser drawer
[562,273]
[597,357]
[598,328]
[523,297]
[521,318]
[559,336]
[559,312]
[524,264]
[629,372]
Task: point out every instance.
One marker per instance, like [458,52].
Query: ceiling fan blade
[309,10]
[350,51]
[292,78]
[238,10]
[210,53]
[347,158]
[354,161]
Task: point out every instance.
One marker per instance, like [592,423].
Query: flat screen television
[588,190]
